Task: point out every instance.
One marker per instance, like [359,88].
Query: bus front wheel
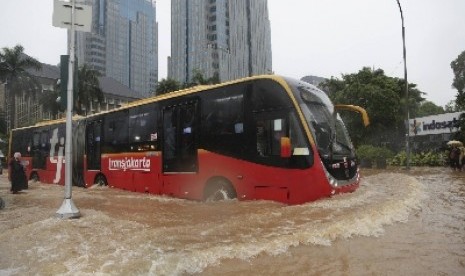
[219,189]
[100,180]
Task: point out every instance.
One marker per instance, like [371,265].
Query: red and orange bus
[264,137]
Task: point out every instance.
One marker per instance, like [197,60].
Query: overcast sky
[323,38]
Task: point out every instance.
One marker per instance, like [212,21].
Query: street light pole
[68,209]
[407,142]
[67,14]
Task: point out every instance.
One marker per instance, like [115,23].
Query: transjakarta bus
[264,137]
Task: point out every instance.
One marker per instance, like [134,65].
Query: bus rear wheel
[219,189]
[100,180]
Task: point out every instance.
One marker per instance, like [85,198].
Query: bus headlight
[331,179]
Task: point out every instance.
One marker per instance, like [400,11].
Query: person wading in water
[16,174]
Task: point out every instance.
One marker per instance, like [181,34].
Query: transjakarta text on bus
[265,137]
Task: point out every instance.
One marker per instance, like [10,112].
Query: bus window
[143,128]
[269,133]
[268,95]
[223,121]
[116,128]
[40,147]
[270,128]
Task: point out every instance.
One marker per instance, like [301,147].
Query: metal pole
[68,209]
[407,142]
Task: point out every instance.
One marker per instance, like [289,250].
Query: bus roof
[187,91]
[169,95]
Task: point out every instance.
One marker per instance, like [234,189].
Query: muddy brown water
[396,223]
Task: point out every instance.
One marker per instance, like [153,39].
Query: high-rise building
[123,43]
[228,39]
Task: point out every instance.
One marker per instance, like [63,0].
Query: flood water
[396,223]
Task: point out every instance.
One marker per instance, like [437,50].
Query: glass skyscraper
[228,39]
[123,43]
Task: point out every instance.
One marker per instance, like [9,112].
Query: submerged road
[394,224]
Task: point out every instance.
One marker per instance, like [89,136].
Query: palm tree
[18,82]
[88,89]
[48,101]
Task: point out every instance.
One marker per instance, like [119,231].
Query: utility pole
[407,136]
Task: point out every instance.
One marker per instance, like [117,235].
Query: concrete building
[123,44]
[228,39]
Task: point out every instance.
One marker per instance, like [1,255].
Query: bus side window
[269,129]
[116,133]
[143,128]
[269,134]
[222,121]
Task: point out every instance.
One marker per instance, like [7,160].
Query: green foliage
[452,106]
[199,79]
[429,158]
[48,100]
[13,71]
[384,99]
[88,89]
[167,85]
[170,85]
[428,108]
[373,153]
[458,67]
[460,135]
[14,62]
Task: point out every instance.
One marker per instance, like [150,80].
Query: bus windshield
[330,134]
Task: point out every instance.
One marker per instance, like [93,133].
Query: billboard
[435,124]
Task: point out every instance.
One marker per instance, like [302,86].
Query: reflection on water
[392,215]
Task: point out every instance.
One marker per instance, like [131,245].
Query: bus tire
[219,188]
[35,177]
[100,180]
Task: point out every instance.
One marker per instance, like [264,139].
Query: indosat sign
[435,124]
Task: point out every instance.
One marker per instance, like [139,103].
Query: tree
[19,82]
[49,103]
[88,89]
[167,85]
[170,85]
[384,99]
[428,108]
[458,67]
[199,79]
[451,106]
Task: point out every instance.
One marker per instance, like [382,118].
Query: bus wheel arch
[100,180]
[219,188]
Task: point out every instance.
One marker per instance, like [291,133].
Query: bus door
[180,132]
[94,144]
[270,129]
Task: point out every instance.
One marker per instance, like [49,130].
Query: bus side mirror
[285,147]
[355,108]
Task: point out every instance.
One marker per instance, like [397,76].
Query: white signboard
[62,16]
[435,124]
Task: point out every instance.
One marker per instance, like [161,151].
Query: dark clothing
[18,176]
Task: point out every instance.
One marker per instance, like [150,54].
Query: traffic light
[64,65]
